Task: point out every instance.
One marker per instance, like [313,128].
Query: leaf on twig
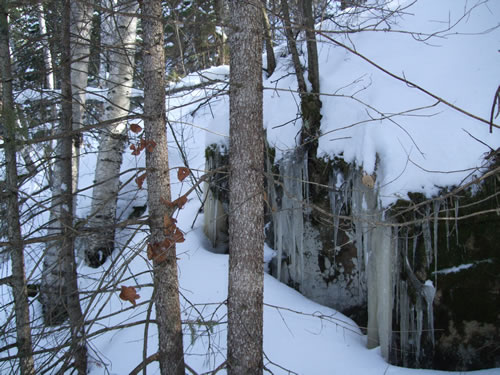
[179,202]
[169,222]
[159,252]
[182,173]
[150,145]
[129,293]
[178,236]
[172,232]
[135,151]
[140,180]
[135,128]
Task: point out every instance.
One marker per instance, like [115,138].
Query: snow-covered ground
[369,115]
[366,114]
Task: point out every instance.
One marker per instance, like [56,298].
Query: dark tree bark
[292,46]
[310,102]
[18,278]
[246,216]
[70,295]
[166,294]
[271,59]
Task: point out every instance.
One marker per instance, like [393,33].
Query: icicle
[447,224]
[426,232]
[436,217]
[404,320]
[420,317]
[412,330]
[305,180]
[291,220]
[456,219]
[429,291]
[415,243]
[213,220]
[336,208]
[278,242]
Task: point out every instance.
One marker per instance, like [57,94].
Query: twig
[152,358]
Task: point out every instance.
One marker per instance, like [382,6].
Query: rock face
[315,252]
[423,275]
[454,244]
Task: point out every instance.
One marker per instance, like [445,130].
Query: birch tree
[54,300]
[81,22]
[246,211]
[18,278]
[121,36]
[161,251]
[47,55]
[69,290]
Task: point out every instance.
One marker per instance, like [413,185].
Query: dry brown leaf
[159,251]
[368,181]
[140,180]
[180,202]
[182,173]
[169,223]
[150,145]
[167,203]
[129,293]
[135,128]
[178,236]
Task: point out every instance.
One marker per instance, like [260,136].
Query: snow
[461,267]
[300,335]
[460,65]
[421,144]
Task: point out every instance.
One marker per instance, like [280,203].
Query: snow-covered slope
[449,48]
[365,113]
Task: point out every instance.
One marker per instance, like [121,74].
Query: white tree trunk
[47,55]
[81,22]
[53,288]
[121,52]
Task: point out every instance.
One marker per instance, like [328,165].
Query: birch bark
[120,51]
[19,286]
[47,56]
[166,293]
[59,289]
[81,22]
[246,188]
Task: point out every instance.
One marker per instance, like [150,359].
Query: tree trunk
[119,85]
[292,46]
[54,300]
[246,212]
[70,295]
[19,288]
[81,22]
[47,55]
[166,294]
[59,288]
[271,59]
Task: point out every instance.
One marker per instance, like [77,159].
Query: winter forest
[247,187]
